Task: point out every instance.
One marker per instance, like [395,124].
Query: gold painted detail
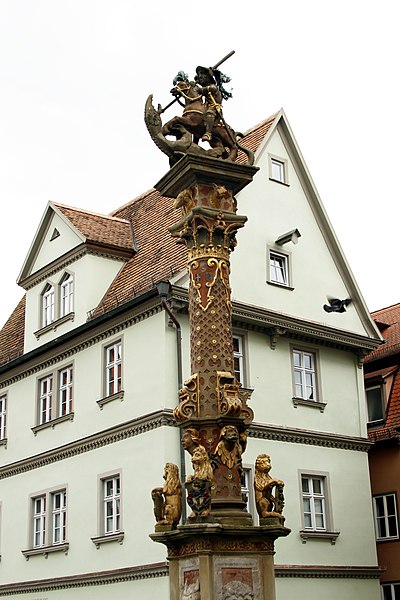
[229,401]
[203,274]
[232,400]
[189,402]
[230,447]
[167,500]
[268,491]
[185,201]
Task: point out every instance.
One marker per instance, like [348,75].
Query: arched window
[48,305]
[66,295]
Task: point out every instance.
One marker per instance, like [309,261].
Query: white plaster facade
[132,435]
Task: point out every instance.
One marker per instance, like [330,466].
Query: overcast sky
[75,74]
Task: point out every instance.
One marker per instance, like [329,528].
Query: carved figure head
[204,76]
[190,439]
[172,481]
[229,433]
[201,464]
[263,463]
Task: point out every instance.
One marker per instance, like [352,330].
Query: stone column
[218,554]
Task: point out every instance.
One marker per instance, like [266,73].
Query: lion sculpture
[268,491]
[168,499]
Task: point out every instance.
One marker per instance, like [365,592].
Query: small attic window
[278,169]
[55,234]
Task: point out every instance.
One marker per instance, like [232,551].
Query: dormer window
[56,304]
[66,295]
[48,305]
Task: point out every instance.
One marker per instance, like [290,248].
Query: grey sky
[75,74]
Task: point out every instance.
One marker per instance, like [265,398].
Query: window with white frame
[374,398]
[48,299]
[55,395]
[111,504]
[113,368]
[385,512]
[45,399]
[65,391]
[238,358]
[57,302]
[390,591]
[3,417]
[278,169]
[247,488]
[49,519]
[314,502]
[66,295]
[278,268]
[304,370]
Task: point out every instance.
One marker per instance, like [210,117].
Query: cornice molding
[328,571]
[164,418]
[114,434]
[72,347]
[308,437]
[70,257]
[113,576]
[156,570]
[267,321]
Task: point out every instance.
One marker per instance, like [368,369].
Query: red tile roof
[12,334]
[388,321]
[103,230]
[157,257]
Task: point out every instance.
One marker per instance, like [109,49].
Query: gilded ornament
[268,491]
[168,499]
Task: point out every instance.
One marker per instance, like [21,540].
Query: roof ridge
[386,308]
[261,123]
[137,198]
[90,212]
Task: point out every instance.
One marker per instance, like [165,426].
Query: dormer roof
[101,233]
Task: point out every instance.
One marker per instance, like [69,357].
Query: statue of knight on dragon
[202,118]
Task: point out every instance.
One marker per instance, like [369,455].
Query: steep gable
[317,265]
[64,229]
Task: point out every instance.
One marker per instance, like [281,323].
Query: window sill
[53,326]
[53,422]
[311,403]
[319,535]
[45,550]
[280,285]
[107,399]
[375,424]
[388,539]
[111,537]
[279,181]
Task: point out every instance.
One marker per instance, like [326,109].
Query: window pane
[305,484]
[277,170]
[380,507]
[374,403]
[396,589]
[317,486]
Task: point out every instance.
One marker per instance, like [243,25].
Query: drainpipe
[164,289]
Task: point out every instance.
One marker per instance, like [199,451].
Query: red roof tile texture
[104,230]
[12,334]
[389,316]
[388,320]
[158,256]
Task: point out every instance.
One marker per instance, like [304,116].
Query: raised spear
[161,110]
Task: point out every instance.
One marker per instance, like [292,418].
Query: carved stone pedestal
[218,562]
